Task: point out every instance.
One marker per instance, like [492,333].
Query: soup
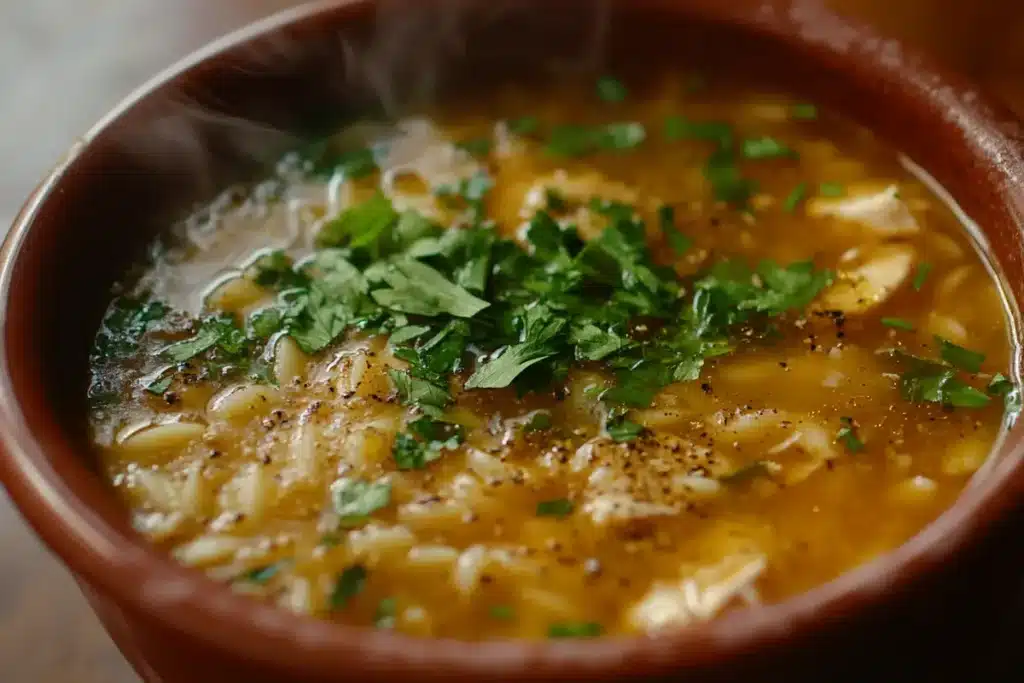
[556,363]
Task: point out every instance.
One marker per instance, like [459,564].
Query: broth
[654,355]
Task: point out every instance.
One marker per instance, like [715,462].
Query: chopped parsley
[559,507]
[679,242]
[571,140]
[261,575]
[766,148]
[349,584]
[848,435]
[524,125]
[795,198]
[501,612]
[958,356]
[622,430]
[921,275]
[898,324]
[936,382]
[214,331]
[424,442]
[575,629]
[803,112]
[538,422]
[611,89]
[1001,386]
[160,386]
[354,501]
[478,147]
[681,128]
[831,190]
[387,610]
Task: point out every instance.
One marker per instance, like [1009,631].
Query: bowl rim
[185,600]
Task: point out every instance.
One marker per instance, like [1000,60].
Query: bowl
[230,109]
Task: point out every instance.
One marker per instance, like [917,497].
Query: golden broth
[791,459]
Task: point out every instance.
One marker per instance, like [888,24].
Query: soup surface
[597,359]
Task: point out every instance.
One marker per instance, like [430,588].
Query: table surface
[94,52]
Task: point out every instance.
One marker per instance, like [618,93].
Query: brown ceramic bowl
[925,607]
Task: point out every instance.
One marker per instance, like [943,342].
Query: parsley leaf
[416,288]
[313,318]
[958,356]
[124,325]
[679,128]
[574,140]
[727,183]
[594,343]
[936,382]
[349,584]
[214,331]
[478,147]
[848,436]
[387,610]
[622,136]
[502,612]
[159,386]
[831,190]
[363,226]
[354,501]
[261,575]
[611,90]
[766,148]
[425,442]
[803,112]
[624,430]
[422,393]
[898,323]
[559,507]
[1001,386]
[524,125]
[923,270]
[540,329]
[583,629]
[795,197]
[679,242]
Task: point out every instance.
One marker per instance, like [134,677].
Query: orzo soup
[556,364]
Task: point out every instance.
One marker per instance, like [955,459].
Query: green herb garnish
[766,148]
[1003,387]
[524,125]
[350,583]
[921,275]
[559,507]
[354,501]
[831,190]
[623,430]
[611,89]
[387,610]
[804,112]
[582,629]
[936,382]
[848,435]
[795,198]
[425,442]
[502,612]
[958,356]
[679,242]
[898,323]
[261,575]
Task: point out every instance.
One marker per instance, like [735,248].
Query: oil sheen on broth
[556,364]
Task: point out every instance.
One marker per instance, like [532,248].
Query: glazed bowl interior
[228,113]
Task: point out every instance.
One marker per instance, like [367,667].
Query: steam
[409,56]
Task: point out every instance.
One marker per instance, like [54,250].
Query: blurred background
[63,63]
